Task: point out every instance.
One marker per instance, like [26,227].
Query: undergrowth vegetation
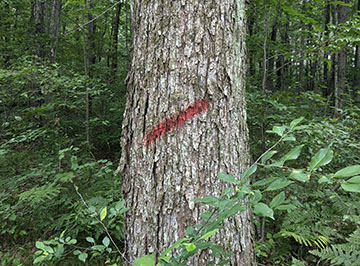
[60,202]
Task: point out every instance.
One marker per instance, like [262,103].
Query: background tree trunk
[184,51]
[339,91]
[54,27]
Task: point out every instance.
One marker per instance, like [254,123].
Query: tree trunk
[37,21]
[357,67]
[342,17]
[115,36]
[326,83]
[54,28]
[91,38]
[186,55]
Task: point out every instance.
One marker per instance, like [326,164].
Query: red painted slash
[169,124]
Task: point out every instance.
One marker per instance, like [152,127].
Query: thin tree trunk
[54,28]
[357,67]
[87,98]
[340,90]
[326,83]
[187,55]
[115,36]
[37,22]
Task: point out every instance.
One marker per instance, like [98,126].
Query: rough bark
[183,52]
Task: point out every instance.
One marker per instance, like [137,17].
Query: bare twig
[83,25]
[103,225]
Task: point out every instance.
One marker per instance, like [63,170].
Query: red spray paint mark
[169,124]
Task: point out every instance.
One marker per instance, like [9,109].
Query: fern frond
[304,239]
[339,254]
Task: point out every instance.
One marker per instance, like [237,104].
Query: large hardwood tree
[186,55]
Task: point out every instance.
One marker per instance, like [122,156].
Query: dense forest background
[63,67]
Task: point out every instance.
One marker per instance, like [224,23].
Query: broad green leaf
[106,241]
[147,260]
[90,239]
[72,242]
[228,178]
[39,259]
[103,214]
[279,184]
[256,196]
[209,234]
[279,130]
[289,138]
[348,171]
[76,252]
[324,179]
[207,200]
[354,180]
[351,187]
[299,175]
[190,246]
[295,122]
[261,209]
[322,157]
[249,171]
[293,154]
[277,200]
[39,245]
[267,156]
[59,250]
[83,256]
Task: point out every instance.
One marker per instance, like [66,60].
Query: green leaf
[279,130]
[267,156]
[295,122]
[264,182]
[261,209]
[207,200]
[228,178]
[83,256]
[76,252]
[277,200]
[90,239]
[354,180]
[147,260]
[209,234]
[279,184]
[289,138]
[293,154]
[341,3]
[351,187]
[249,171]
[190,246]
[348,171]
[173,246]
[106,241]
[39,259]
[103,213]
[322,157]
[299,175]
[40,245]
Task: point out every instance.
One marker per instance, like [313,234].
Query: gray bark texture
[184,51]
